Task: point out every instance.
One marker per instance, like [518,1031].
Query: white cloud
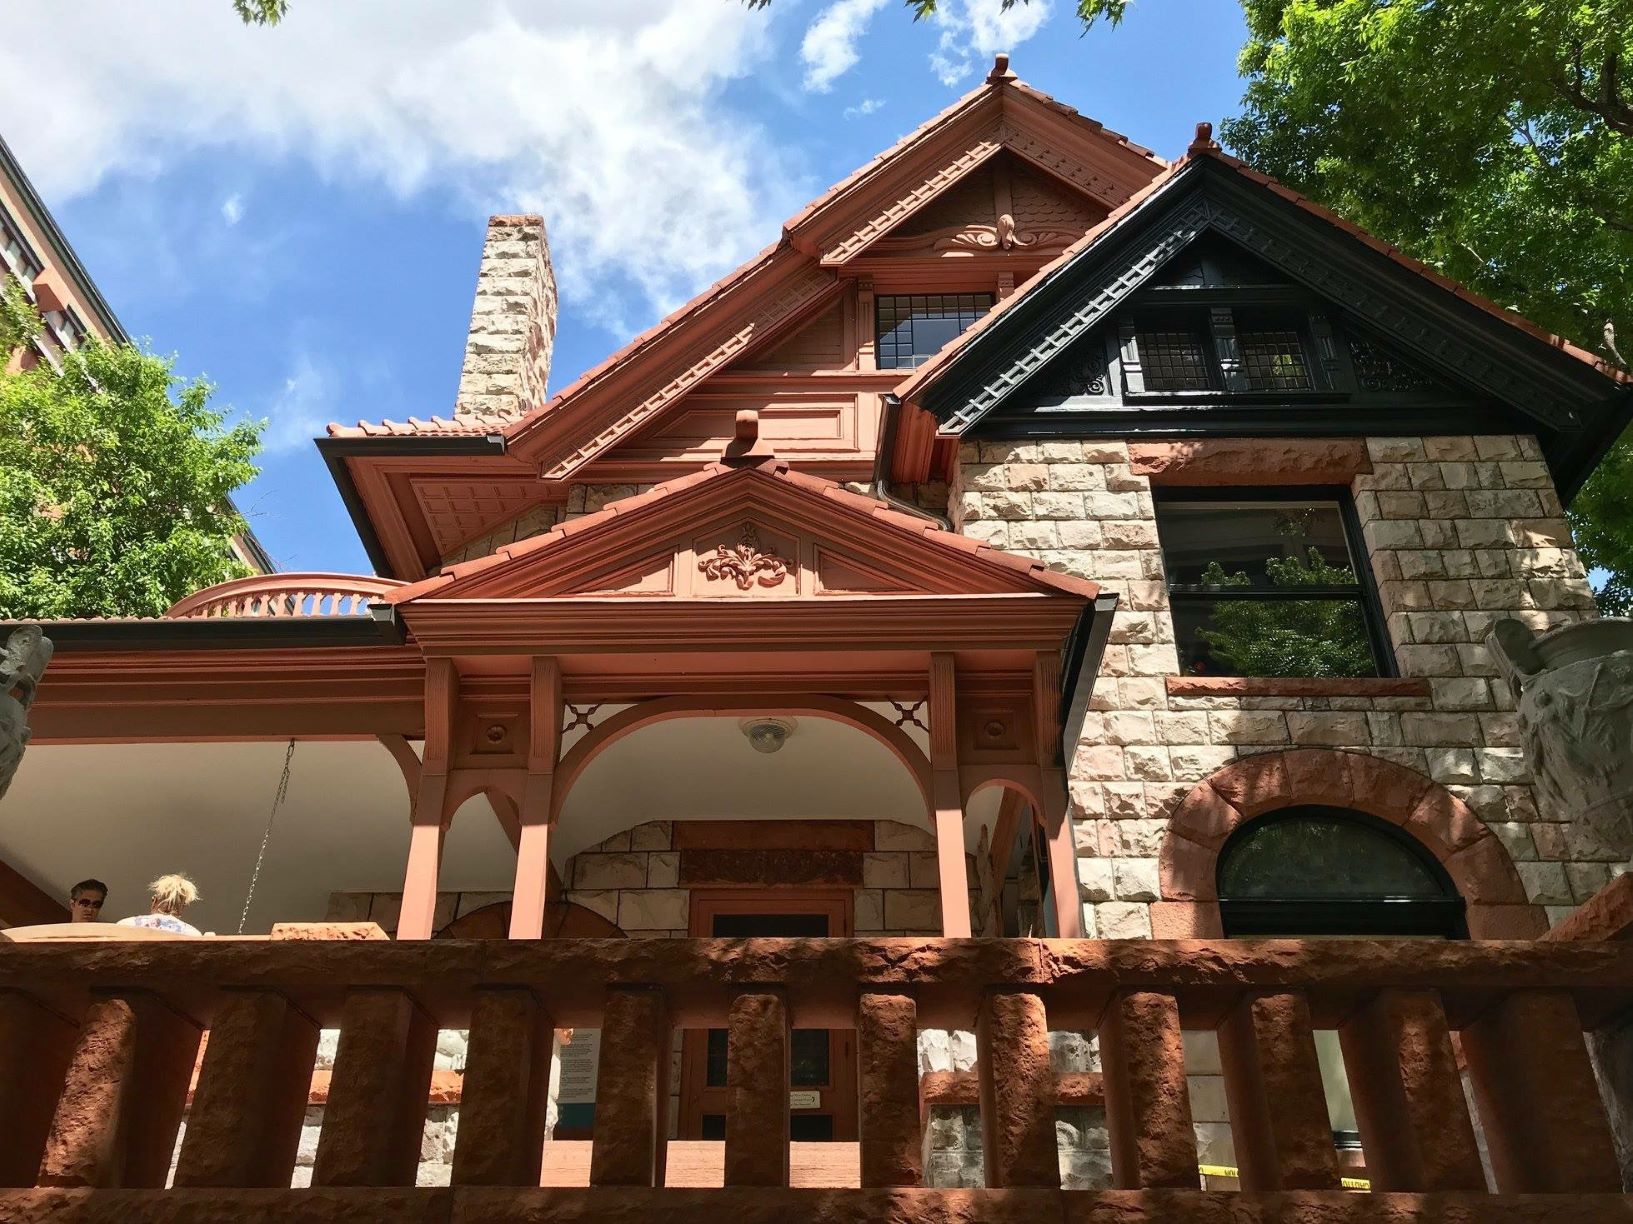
[828,50]
[973,31]
[606,118]
[232,209]
[865,107]
[298,411]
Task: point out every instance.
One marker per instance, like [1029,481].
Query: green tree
[1288,637]
[261,12]
[115,476]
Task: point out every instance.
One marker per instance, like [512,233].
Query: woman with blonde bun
[172,894]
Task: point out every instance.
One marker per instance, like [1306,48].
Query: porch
[101,1042]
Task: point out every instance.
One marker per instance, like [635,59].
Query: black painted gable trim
[1519,382]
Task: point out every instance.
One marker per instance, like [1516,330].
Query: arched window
[1329,871]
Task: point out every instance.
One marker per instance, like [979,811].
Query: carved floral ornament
[745,562]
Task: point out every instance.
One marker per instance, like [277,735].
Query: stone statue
[1574,687]
[22,662]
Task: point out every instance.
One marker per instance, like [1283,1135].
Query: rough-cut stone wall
[1460,531]
[513,321]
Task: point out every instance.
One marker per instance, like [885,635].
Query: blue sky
[298,212]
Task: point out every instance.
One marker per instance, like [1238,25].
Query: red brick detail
[123,1097]
[1148,1104]
[1186,920]
[35,1044]
[964,1088]
[1251,461]
[757,1126]
[1408,1095]
[375,1117]
[887,1031]
[245,1123]
[1017,1091]
[1544,1125]
[507,1090]
[1472,855]
[1296,686]
[1278,1108]
[1608,914]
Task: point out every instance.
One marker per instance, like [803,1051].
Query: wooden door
[822,1062]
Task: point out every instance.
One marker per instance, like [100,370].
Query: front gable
[749,533]
[1221,303]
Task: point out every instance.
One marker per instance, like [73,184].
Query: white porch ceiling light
[768,734]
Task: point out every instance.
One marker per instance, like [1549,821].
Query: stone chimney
[513,322]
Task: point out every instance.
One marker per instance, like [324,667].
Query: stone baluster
[757,1089]
[375,1116]
[245,1124]
[35,1045]
[632,1090]
[1408,1095]
[1017,1091]
[506,1095]
[123,1096]
[1148,1104]
[1278,1106]
[1539,1106]
[887,1030]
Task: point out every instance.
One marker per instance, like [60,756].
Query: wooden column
[948,798]
[245,1124]
[123,1096]
[1017,1091]
[757,1090]
[1056,816]
[632,1090]
[1408,1095]
[506,1093]
[887,1047]
[533,851]
[35,1046]
[375,1116]
[1539,1106]
[1278,1105]
[417,917]
[1148,1103]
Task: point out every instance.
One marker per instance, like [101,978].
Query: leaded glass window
[912,328]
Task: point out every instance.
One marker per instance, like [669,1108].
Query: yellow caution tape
[1349,1183]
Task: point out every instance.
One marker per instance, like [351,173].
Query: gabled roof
[818,540]
[1567,389]
[790,280]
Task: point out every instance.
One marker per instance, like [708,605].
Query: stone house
[1041,540]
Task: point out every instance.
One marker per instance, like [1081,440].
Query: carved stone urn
[22,661]
[1574,686]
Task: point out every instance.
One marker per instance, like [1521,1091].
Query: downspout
[881,464]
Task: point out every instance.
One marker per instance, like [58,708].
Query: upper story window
[1268,586]
[912,328]
[1221,348]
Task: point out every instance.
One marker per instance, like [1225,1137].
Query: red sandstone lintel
[1297,686]
[1250,461]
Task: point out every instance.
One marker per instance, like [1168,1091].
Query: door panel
[822,1062]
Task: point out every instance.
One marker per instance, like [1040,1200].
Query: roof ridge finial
[1204,142]
[1000,69]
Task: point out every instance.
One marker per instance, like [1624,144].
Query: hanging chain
[277,802]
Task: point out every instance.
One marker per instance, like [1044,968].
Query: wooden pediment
[746,533]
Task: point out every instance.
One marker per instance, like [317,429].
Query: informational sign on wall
[580,1059]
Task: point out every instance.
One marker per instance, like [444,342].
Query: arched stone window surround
[1250,786]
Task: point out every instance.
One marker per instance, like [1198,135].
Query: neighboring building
[34,252]
[1039,539]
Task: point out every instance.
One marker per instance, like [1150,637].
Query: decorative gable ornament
[746,562]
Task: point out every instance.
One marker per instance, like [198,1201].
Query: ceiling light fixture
[767,734]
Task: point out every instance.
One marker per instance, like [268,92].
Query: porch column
[1055,816]
[533,851]
[417,918]
[947,796]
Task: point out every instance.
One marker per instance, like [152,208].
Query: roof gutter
[336,451]
[880,487]
[1085,648]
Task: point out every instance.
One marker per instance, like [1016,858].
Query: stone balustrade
[98,1045]
[286,595]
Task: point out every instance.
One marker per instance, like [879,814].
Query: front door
[822,1062]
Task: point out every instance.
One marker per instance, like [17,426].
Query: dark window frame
[1365,590]
[1383,917]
